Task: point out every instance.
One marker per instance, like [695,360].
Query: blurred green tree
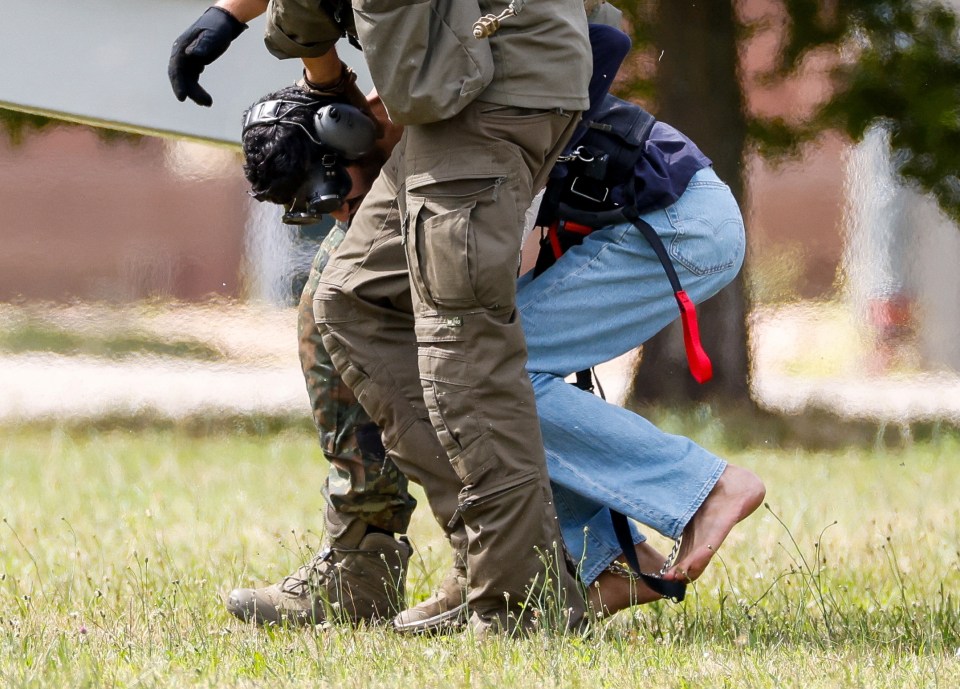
[18,126]
[896,63]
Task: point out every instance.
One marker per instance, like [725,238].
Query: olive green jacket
[538,59]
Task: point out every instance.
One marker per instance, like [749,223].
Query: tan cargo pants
[417,311]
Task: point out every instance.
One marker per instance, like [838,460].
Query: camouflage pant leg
[363,485]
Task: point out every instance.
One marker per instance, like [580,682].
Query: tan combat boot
[444,611]
[340,584]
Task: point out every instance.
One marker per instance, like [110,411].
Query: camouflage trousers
[363,485]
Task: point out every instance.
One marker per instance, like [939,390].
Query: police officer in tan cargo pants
[417,309]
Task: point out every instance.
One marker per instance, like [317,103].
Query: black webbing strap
[653,239]
[674,590]
[632,216]
[585,380]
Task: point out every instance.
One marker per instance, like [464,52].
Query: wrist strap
[335,88]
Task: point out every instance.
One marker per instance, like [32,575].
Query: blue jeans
[600,300]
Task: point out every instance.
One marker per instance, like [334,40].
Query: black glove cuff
[218,18]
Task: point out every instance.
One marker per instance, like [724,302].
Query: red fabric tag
[697,358]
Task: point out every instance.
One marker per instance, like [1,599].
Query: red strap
[577,228]
[554,241]
[697,358]
[554,235]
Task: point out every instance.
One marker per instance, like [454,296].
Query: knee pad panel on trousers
[472,461]
[456,432]
[352,376]
[330,306]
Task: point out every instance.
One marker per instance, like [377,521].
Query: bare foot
[611,593]
[735,496]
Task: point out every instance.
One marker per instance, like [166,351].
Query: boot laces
[312,575]
[316,573]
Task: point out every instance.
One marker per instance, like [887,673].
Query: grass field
[116,547]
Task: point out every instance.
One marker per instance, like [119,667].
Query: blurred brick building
[84,218]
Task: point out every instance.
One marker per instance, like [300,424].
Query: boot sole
[449,621]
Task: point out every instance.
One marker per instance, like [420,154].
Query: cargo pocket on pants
[443,254]
[447,392]
[445,260]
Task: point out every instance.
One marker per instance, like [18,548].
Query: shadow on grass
[731,427]
[745,426]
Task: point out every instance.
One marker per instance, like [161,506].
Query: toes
[676,574]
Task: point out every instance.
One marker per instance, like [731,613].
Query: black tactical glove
[203,42]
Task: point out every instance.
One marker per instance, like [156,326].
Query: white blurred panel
[106,61]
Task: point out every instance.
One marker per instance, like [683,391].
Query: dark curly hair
[279,156]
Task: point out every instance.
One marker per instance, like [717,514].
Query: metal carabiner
[489,24]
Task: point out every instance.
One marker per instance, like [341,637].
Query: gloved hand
[343,90]
[203,42]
